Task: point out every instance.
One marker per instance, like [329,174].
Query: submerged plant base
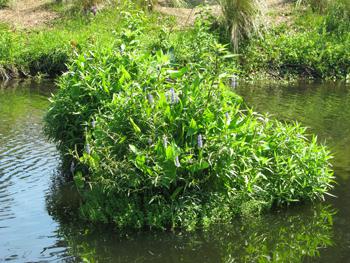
[162,144]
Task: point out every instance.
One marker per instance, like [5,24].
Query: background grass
[313,45]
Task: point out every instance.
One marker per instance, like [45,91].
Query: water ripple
[27,162]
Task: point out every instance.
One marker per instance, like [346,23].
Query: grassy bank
[45,51]
[308,45]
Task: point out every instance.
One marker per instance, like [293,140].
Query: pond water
[32,196]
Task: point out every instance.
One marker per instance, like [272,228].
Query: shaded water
[30,192]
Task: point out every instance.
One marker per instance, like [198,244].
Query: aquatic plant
[190,156]
[150,4]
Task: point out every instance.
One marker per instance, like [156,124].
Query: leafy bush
[165,145]
[303,53]
[136,45]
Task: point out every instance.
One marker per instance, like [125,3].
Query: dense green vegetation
[159,140]
[45,51]
[313,44]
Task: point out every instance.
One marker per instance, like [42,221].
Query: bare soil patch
[278,11]
[27,14]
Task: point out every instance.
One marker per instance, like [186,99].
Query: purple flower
[150,99]
[173,96]
[228,118]
[94,10]
[177,162]
[87,148]
[200,141]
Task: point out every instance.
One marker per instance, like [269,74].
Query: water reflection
[289,236]
[26,161]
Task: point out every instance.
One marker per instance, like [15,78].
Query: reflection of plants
[277,238]
[294,238]
[15,102]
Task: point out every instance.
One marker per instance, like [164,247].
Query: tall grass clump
[242,18]
[160,144]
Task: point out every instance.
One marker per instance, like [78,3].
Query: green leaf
[169,152]
[133,149]
[175,74]
[176,192]
[136,128]
[193,128]
[79,180]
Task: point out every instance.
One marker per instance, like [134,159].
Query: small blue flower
[200,141]
[150,99]
[165,141]
[87,148]
[228,118]
[173,96]
[93,123]
[177,162]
